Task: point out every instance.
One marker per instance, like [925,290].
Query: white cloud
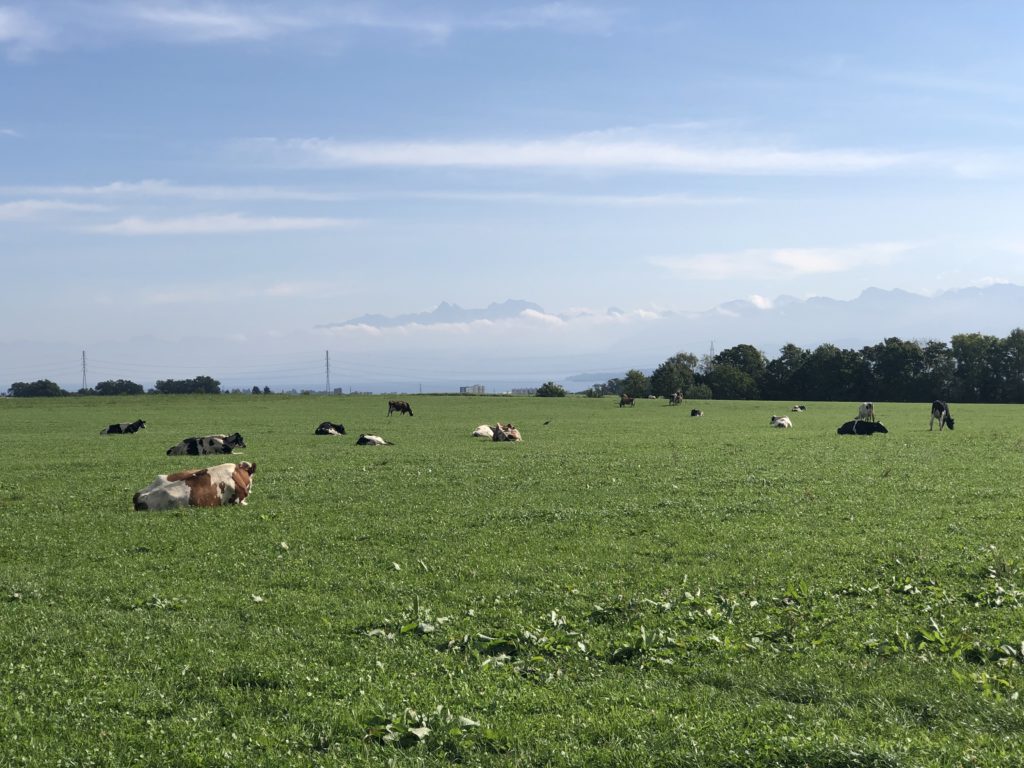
[22,34]
[782,262]
[583,152]
[761,302]
[230,223]
[212,22]
[572,17]
[26,209]
[161,188]
[9,132]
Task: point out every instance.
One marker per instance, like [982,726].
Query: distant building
[472,389]
[524,390]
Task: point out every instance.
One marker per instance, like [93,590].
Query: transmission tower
[83,370]
[327,370]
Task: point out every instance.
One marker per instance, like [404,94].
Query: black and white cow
[399,406]
[781,422]
[371,440]
[329,428]
[940,411]
[625,400]
[861,427]
[696,412]
[124,429]
[197,446]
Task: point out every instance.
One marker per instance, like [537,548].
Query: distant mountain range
[445,313]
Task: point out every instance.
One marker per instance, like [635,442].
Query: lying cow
[782,422]
[798,408]
[400,406]
[372,440]
[866,412]
[859,427]
[506,433]
[940,411]
[484,430]
[210,487]
[198,446]
[696,412]
[329,428]
[124,429]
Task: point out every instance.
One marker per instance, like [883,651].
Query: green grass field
[628,586]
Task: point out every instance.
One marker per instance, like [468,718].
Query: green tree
[781,374]
[119,387]
[730,383]
[636,384]
[976,381]
[897,369]
[198,385]
[674,375]
[550,389]
[41,388]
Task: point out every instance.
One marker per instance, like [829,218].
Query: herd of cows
[230,483]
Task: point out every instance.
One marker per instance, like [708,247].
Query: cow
[626,400]
[860,427]
[676,399]
[210,487]
[400,406]
[506,433]
[484,430]
[696,412]
[124,429]
[798,408]
[329,428]
[940,411]
[866,412]
[782,422]
[198,446]
[372,440]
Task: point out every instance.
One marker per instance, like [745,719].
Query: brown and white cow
[124,429]
[209,487]
[400,406]
[199,446]
[506,433]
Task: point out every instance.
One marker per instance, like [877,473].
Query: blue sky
[185,176]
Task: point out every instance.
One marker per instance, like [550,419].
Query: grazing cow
[198,446]
[676,399]
[626,400]
[329,428]
[940,411]
[859,427]
[484,430]
[400,406]
[372,440]
[124,429]
[506,433]
[782,422]
[866,412]
[696,412]
[210,487]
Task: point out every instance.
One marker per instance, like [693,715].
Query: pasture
[627,586]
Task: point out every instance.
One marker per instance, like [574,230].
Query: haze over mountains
[515,343]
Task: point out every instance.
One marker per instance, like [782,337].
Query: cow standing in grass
[399,406]
[866,412]
[940,411]
[625,400]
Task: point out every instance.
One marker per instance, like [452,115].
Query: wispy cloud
[160,188]
[22,34]
[230,223]
[584,152]
[27,209]
[782,262]
[574,17]
[9,132]
[206,23]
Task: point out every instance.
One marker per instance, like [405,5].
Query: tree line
[971,368]
[198,385]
